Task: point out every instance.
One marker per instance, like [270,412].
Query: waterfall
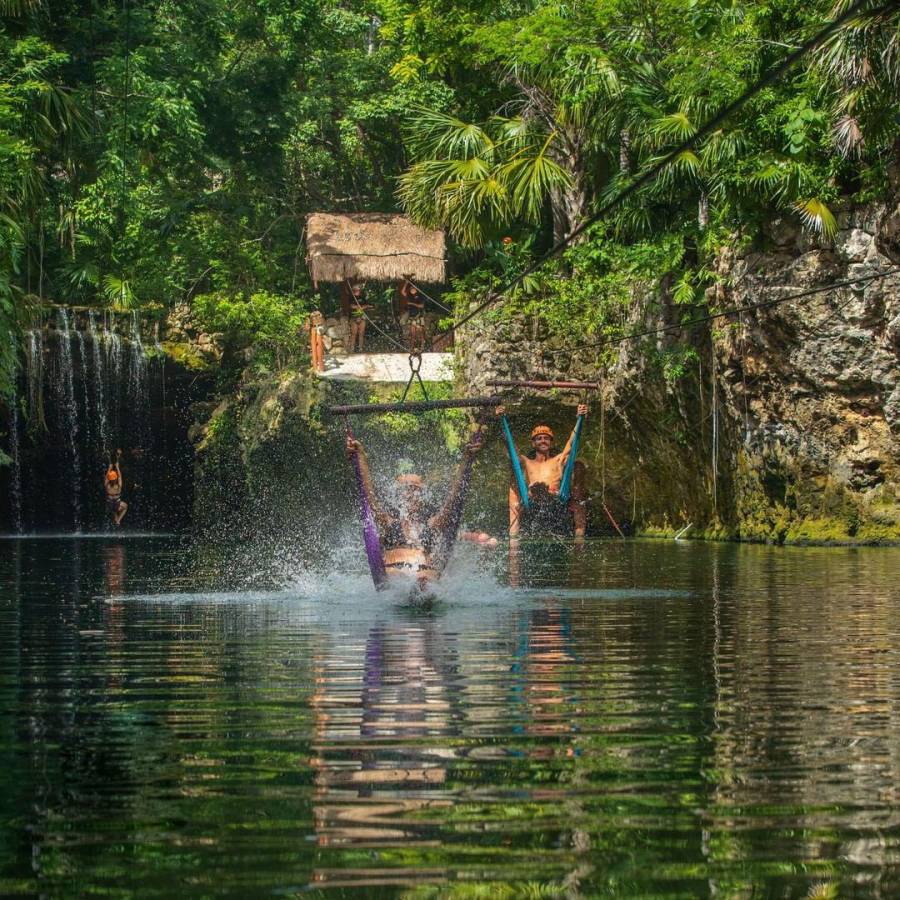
[69,408]
[138,394]
[35,370]
[86,402]
[99,392]
[15,484]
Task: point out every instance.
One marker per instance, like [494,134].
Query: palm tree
[862,60]
[475,179]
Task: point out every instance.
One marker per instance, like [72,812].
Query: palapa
[372,247]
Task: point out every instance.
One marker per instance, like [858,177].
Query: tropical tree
[862,63]
[474,180]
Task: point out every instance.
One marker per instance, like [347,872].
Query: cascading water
[86,402]
[99,389]
[35,372]
[138,395]
[15,485]
[69,409]
[62,432]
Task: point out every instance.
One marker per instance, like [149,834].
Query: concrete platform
[386,367]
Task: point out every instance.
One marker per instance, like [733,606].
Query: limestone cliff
[785,426]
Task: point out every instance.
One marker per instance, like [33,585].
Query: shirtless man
[543,470]
[411,530]
[113,487]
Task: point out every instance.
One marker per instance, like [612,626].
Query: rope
[371,537]
[708,128]
[603,445]
[415,364]
[126,9]
[565,484]
[521,485]
[448,539]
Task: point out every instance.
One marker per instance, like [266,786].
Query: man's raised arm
[564,455]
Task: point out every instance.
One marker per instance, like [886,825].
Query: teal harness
[565,486]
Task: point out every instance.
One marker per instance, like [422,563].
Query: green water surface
[641,719]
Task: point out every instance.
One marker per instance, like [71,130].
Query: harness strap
[521,486]
[565,486]
[441,556]
[371,538]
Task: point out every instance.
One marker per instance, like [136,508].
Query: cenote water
[647,719]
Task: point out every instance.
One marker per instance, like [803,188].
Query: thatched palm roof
[372,246]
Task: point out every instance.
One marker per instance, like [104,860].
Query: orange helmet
[112,475]
[542,429]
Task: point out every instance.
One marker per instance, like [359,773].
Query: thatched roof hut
[372,247]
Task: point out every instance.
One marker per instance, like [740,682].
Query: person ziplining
[411,538]
[411,529]
[546,491]
[113,485]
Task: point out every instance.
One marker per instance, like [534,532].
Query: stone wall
[788,426]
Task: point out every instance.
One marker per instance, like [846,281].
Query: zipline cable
[427,297]
[708,128]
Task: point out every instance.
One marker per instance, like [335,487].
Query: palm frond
[816,216]
[118,292]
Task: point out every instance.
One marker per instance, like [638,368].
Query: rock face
[784,424]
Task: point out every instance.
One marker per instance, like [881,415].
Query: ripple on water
[654,720]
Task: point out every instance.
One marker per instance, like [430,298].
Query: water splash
[69,409]
[15,453]
[99,388]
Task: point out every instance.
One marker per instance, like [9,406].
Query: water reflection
[376,779]
[662,720]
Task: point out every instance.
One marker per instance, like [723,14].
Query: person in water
[112,485]
[413,531]
[543,468]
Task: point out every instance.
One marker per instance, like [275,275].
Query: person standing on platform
[358,309]
[415,314]
[315,326]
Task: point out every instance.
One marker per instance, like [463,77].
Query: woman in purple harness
[412,529]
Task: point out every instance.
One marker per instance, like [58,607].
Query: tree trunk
[624,151]
[569,205]
[703,210]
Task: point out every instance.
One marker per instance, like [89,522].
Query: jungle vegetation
[154,154]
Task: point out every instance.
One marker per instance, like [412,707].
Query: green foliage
[271,323]
[181,155]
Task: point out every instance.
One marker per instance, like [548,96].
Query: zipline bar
[549,385]
[417,406]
